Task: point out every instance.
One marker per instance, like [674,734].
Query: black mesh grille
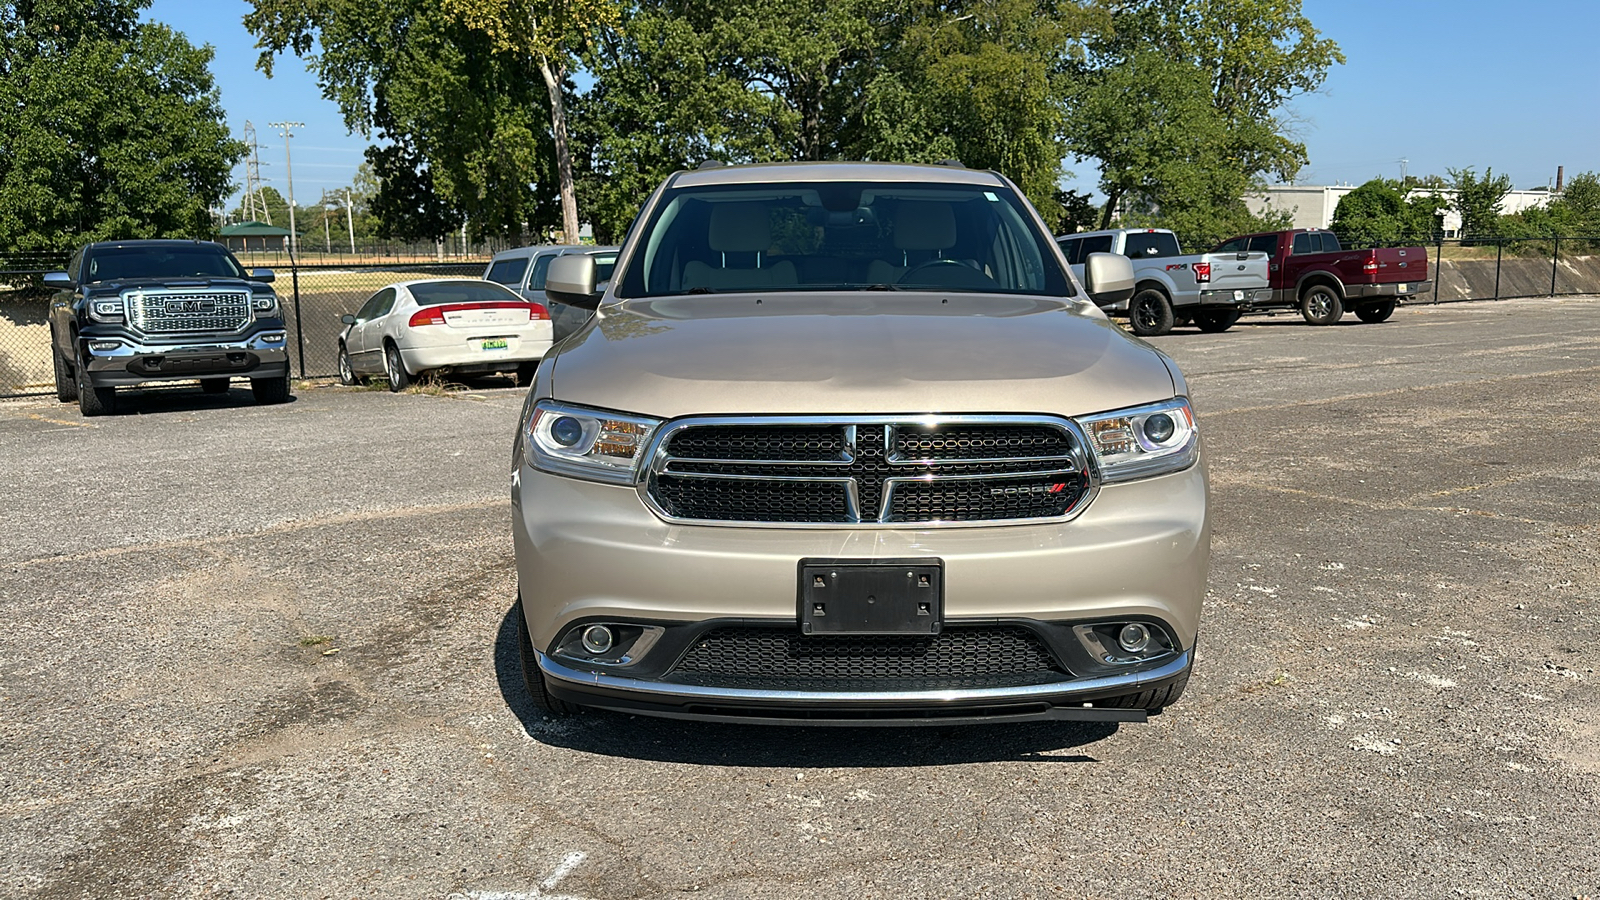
[762,471]
[783,657]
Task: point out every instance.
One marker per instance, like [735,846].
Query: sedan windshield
[160,261]
[810,236]
[432,293]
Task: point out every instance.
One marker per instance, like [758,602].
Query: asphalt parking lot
[264,652]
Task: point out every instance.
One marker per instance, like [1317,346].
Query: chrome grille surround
[228,311]
[872,504]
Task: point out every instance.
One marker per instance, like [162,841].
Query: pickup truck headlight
[586,443]
[1144,441]
[265,306]
[109,309]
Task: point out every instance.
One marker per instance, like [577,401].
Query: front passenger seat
[739,228]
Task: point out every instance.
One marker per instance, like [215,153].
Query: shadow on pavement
[716,744]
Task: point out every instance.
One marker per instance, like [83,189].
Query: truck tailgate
[1387,265]
[1233,271]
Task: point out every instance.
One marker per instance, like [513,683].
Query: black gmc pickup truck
[129,312]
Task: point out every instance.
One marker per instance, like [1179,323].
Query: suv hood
[855,352]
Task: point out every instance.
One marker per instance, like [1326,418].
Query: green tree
[109,127]
[1385,211]
[1477,200]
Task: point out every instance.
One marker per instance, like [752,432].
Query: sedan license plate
[493,344]
[871,596]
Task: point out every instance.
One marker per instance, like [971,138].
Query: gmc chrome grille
[932,471]
[169,312]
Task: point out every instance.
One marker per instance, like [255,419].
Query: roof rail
[711,164]
[953,163]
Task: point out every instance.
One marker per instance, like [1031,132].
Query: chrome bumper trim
[1054,692]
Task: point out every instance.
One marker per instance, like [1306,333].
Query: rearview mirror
[1108,277]
[57,280]
[570,280]
[347,319]
[264,276]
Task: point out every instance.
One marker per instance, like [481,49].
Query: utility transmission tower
[288,162]
[255,205]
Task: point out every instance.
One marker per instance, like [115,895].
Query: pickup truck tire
[531,676]
[214,385]
[1150,312]
[1320,305]
[1373,313]
[1152,701]
[394,368]
[347,372]
[94,401]
[269,391]
[66,386]
[1216,321]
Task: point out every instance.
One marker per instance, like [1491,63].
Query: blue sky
[1480,83]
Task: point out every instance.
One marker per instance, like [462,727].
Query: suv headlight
[586,443]
[1143,441]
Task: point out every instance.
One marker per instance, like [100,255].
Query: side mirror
[1108,277]
[57,280]
[264,276]
[570,280]
[347,319]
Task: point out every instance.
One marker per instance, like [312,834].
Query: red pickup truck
[1308,270]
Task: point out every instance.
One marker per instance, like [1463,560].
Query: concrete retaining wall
[1474,279]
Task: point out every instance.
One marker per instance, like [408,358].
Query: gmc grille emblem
[1015,491]
[191,306]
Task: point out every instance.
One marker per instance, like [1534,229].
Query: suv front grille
[912,472]
[783,658]
[169,312]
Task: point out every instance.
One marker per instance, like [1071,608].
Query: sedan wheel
[395,369]
[347,372]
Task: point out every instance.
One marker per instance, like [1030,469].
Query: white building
[1312,206]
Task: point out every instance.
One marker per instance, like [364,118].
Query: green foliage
[1381,212]
[1477,200]
[109,127]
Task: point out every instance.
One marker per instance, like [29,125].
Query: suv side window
[1101,244]
[508,271]
[541,267]
[1306,242]
[1264,243]
[1070,249]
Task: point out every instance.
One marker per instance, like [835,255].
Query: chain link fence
[316,295]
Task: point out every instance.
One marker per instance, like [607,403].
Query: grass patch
[315,640]
[1276,681]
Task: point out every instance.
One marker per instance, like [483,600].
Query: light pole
[350,219]
[288,162]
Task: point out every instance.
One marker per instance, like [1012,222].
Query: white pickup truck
[1210,289]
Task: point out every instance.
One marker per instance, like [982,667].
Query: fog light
[104,346]
[273,337]
[1133,637]
[598,639]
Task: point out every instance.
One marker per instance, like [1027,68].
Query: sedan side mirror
[347,319]
[264,276]
[570,280]
[57,280]
[1108,277]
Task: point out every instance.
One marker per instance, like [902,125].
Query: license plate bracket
[871,596]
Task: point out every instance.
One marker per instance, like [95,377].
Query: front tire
[531,676]
[1320,305]
[94,401]
[66,386]
[1373,313]
[394,368]
[347,372]
[1216,321]
[269,391]
[1151,313]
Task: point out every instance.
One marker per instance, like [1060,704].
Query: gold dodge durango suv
[847,443]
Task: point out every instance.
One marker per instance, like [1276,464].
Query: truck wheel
[1152,701]
[94,401]
[1320,305]
[1216,321]
[1151,313]
[1373,313]
[66,386]
[347,372]
[214,385]
[395,368]
[270,390]
[531,676]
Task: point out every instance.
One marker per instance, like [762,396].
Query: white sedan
[443,325]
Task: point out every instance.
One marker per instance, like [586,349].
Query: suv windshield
[810,236]
[171,261]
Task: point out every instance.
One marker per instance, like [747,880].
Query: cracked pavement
[264,652]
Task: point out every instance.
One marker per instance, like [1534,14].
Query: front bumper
[133,360]
[593,552]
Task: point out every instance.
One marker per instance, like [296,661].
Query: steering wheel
[952,273]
